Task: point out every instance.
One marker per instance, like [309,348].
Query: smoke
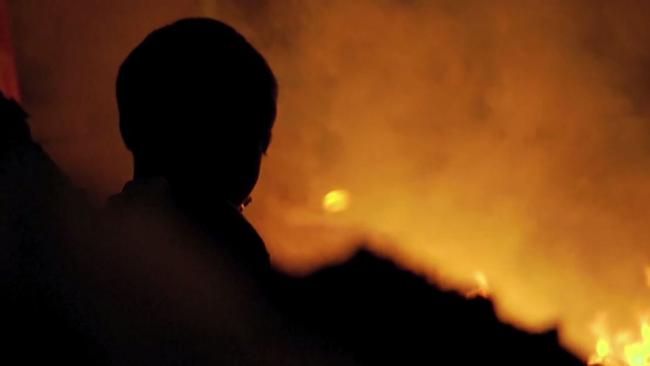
[509,137]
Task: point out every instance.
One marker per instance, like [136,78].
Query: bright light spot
[482,287]
[602,349]
[481,280]
[626,351]
[336,201]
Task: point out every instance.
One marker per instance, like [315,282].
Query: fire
[337,200]
[621,349]
[514,149]
[482,287]
[603,349]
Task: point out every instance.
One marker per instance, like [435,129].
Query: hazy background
[508,137]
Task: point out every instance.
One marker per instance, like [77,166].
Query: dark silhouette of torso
[370,310]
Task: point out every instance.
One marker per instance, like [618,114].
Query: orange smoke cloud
[508,137]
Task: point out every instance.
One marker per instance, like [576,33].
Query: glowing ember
[482,287]
[337,200]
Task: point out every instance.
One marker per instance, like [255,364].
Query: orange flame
[482,287]
[622,349]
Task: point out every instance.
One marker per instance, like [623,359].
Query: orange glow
[603,350]
[482,287]
[336,201]
[505,136]
[623,348]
